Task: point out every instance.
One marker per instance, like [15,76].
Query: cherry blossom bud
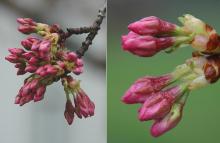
[143,87]
[152,26]
[27,21]
[25,99]
[168,122]
[72,56]
[69,112]
[31,68]
[39,93]
[13,59]
[17,99]
[84,106]
[45,46]
[26,29]
[28,55]
[27,25]
[79,62]
[27,43]
[16,51]
[159,104]
[33,61]
[78,71]
[145,46]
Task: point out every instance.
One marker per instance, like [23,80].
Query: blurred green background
[200,122]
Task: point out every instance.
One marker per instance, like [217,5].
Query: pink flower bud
[143,87]
[71,56]
[33,84]
[84,106]
[79,62]
[27,25]
[151,26]
[45,46]
[78,71]
[51,70]
[27,21]
[46,70]
[39,93]
[27,43]
[168,122]
[35,45]
[145,46]
[25,99]
[17,99]
[159,104]
[28,55]
[16,51]
[27,29]
[61,64]
[69,112]
[33,61]
[31,68]
[12,59]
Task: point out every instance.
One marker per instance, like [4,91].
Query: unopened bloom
[83,105]
[152,26]
[168,122]
[147,45]
[32,89]
[69,112]
[144,86]
[160,103]
[27,25]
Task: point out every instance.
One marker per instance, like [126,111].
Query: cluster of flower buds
[162,98]
[48,61]
[150,35]
[83,106]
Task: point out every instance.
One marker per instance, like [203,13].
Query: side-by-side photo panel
[163,71]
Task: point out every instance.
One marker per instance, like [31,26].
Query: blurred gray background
[44,122]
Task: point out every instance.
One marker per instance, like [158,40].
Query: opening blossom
[162,98]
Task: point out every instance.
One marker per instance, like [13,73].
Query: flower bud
[69,112]
[145,46]
[39,93]
[83,105]
[27,29]
[143,87]
[152,26]
[27,21]
[31,68]
[160,103]
[45,46]
[13,58]
[27,43]
[168,122]
[16,51]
